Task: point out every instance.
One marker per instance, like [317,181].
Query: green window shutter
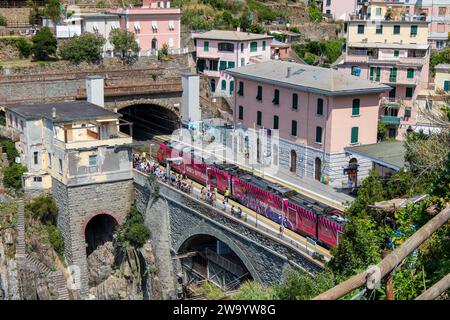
[294,128]
[354,135]
[360,29]
[396,53]
[275,122]
[253,46]
[231,64]
[231,87]
[223,65]
[241,88]
[379,29]
[259,95]
[264,46]
[320,106]
[409,92]
[241,113]
[371,73]
[319,134]
[378,73]
[410,73]
[447,85]
[413,30]
[295,101]
[355,107]
[396,29]
[206,46]
[224,85]
[259,118]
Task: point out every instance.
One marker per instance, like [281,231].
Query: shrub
[3,22]
[315,14]
[24,47]
[44,44]
[12,176]
[133,232]
[44,209]
[125,43]
[2,119]
[56,239]
[86,47]
[11,150]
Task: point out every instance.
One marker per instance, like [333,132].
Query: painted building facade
[317,111]
[340,9]
[219,50]
[154,24]
[393,52]
[437,13]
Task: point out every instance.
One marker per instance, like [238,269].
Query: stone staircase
[20,245]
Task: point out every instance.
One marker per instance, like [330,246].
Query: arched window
[231,87]
[224,85]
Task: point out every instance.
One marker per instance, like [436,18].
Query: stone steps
[20,245]
[41,268]
[61,285]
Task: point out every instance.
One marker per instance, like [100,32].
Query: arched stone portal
[98,229]
[150,119]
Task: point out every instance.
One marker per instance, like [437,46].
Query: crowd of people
[146,164]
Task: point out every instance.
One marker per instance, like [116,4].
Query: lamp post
[207,178]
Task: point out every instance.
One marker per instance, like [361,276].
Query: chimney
[95,90]
[53,113]
[288,72]
[190,100]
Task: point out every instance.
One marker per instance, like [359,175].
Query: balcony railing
[390,102]
[356,58]
[411,60]
[392,79]
[390,120]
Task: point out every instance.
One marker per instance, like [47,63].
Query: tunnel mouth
[205,257]
[99,230]
[150,120]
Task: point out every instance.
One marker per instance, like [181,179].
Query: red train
[276,202]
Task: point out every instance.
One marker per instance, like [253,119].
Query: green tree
[3,22]
[87,47]
[53,10]
[256,28]
[382,131]
[246,21]
[44,44]
[10,148]
[300,286]
[24,47]
[125,43]
[314,13]
[399,185]
[44,209]
[12,176]
[56,239]
[133,232]
[251,290]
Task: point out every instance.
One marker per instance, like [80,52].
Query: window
[355,107]
[319,107]
[410,74]
[439,44]
[318,134]
[241,113]
[447,85]
[171,25]
[213,65]
[328,2]
[397,29]
[213,85]
[396,53]
[259,95]
[295,101]
[407,112]
[223,65]
[442,11]
[378,11]
[375,73]
[231,64]
[264,45]
[354,135]
[413,31]
[294,128]
[275,122]
[393,75]
[231,87]
[259,118]
[226,46]
[276,97]
[379,29]
[242,47]
[253,46]
[60,166]
[360,29]
[92,160]
[36,157]
[241,89]
[224,85]
[206,46]
[37,179]
[49,160]
[409,92]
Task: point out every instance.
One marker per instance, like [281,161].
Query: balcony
[412,61]
[356,59]
[211,73]
[390,102]
[390,120]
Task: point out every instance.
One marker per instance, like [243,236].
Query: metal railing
[224,263]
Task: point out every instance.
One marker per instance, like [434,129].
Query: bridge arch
[205,230]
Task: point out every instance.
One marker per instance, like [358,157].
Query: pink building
[154,24]
[280,50]
[340,9]
[317,111]
[218,50]
[437,12]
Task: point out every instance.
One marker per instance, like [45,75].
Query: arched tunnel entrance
[149,120]
[204,257]
[99,230]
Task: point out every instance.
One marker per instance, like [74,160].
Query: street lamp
[207,178]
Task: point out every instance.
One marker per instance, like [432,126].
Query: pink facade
[339,9]
[232,49]
[438,14]
[280,52]
[154,25]
[336,121]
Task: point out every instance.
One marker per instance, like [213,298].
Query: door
[318,169]
[68,132]
[154,44]
[392,93]
[293,161]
